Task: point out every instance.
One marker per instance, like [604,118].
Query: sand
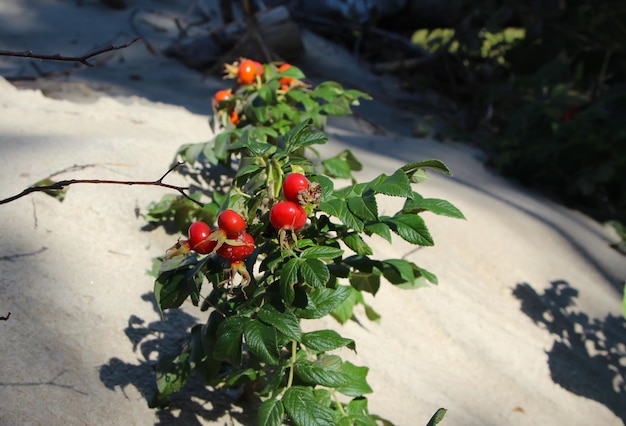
[524,327]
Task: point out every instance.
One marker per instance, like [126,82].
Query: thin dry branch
[60,185]
[58,57]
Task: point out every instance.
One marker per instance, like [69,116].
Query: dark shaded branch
[60,185]
[5,318]
[58,57]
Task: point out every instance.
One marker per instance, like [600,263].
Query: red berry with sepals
[199,238]
[237,249]
[232,223]
[287,215]
[293,185]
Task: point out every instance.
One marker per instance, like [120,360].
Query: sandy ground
[523,329]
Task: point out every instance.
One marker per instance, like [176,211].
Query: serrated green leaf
[248,169]
[228,343]
[316,374]
[302,136]
[314,272]
[271,413]
[364,207]
[345,310]
[364,281]
[357,384]
[302,408]
[261,339]
[396,185]
[284,321]
[171,288]
[289,272]
[337,167]
[437,417]
[411,228]
[433,205]
[398,271]
[321,301]
[433,164]
[321,252]
[326,340]
[357,244]
[378,228]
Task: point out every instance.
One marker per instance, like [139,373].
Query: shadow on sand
[197,403]
[588,356]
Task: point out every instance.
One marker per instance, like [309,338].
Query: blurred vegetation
[546,78]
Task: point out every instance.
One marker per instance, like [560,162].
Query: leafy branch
[63,184]
[58,57]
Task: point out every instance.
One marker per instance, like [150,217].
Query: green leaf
[316,374]
[345,310]
[302,136]
[365,207]
[433,164]
[378,228]
[271,413]
[261,339]
[314,272]
[172,287]
[364,281]
[172,372]
[302,408]
[411,228]
[357,384]
[341,165]
[59,193]
[201,356]
[398,271]
[285,321]
[321,252]
[338,106]
[434,205]
[337,206]
[396,185]
[321,301]
[228,344]
[437,417]
[327,90]
[357,244]
[326,340]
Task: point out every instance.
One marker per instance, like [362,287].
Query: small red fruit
[232,223]
[293,185]
[285,80]
[234,117]
[237,249]
[287,215]
[223,95]
[199,233]
[248,70]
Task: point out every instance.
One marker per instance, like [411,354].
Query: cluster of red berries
[246,72]
[290,215]
[230,241]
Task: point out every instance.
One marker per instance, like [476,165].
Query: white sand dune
[524,328]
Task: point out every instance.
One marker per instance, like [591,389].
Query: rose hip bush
[276,242]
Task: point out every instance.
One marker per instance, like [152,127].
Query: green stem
[293,362]
[339,404]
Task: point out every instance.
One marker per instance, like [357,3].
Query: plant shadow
[195,403]
[588,354]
